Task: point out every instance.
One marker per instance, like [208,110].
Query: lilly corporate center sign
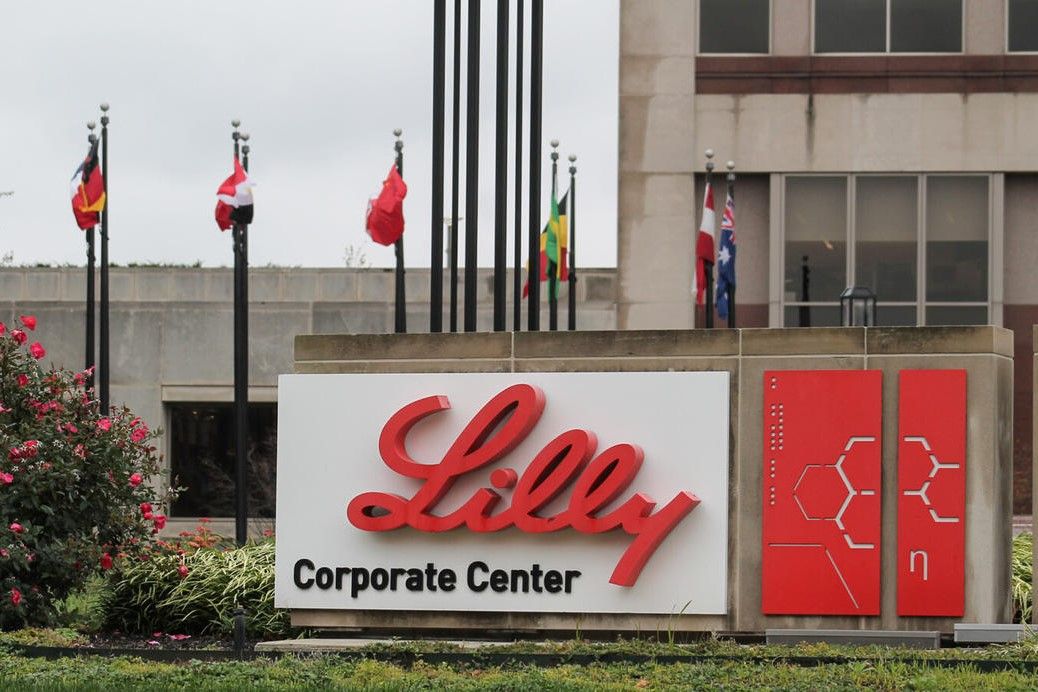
[539,492]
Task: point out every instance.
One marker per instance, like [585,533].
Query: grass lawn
[90,672]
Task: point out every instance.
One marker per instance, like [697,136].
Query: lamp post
[552,270]
[572,312]
[104,362]
[91,353]
[517,250]
[400,322]
[858,307]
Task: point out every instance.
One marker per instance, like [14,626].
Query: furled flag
[234,199]
[88,191]
[385,217]
[705,242]
[554,244]
[726,259]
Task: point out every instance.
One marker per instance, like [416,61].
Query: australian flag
[726,259]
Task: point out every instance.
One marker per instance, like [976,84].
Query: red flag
[234,199]
[385,218]
[88,191]
[705,242]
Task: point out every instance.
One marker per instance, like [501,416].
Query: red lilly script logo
[493,432]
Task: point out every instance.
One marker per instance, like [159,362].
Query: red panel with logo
[931,492]
[821,531]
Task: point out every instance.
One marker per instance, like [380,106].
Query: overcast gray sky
[319,85]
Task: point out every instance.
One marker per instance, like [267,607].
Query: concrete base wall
[984,352]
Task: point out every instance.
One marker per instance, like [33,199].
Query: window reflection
[816,238]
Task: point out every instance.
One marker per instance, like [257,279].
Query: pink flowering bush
[72,483]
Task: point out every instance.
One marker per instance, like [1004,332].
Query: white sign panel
[540,492]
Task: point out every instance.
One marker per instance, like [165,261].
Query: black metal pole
[708,267]
[472,168]
[103,360]
[241,366]
[455,166]
[572,216]
[90,351]
[517,275]
[553,282]
[730,192]
[501,170]
[533,310]
[400,311]
[439,78]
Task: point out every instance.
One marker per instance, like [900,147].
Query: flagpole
[239,239]
[455,164]
[517,278]
[472,168]
[104,361]
[91,293]
[572,245]
[501,169]
[553,283]
[708,267]
[533,310]
[400,322]
[436,264]
[731,287]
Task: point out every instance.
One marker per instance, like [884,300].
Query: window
[734,26]
[896,26]
[921,243]
[202,459]
[1023,25]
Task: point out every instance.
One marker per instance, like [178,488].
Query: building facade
[882,143]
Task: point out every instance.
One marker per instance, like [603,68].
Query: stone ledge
[926,340]
[803,342]
[657,343]
[331,347]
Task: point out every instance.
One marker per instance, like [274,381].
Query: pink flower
[152,642]
[182,570]
[16,596]
[3,328]
[138,434]
[179,637]
[16,527]
[145,507]
[6,478]
[29,321]
[80,451]
[148,516]
[19,336]
[3,552]
[106,561]
[36,350]
[160,521]
[4,409]
[104,425]
[135,480]
[23,379]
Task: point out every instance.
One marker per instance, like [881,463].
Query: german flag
[88,191]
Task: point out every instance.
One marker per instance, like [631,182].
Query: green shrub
[74,490]
[195,589]
[1023,601]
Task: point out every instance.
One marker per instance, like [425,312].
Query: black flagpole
[104,361]
[91,292]
[536,67]
[501,170]
[436,262]
[400,322]
[517,276]
[731,287]
[472,168]
[452,229]
[553,282]
[572,217]
[241,363]
[708,267]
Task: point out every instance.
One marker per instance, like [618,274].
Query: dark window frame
[888,35]
[699,33]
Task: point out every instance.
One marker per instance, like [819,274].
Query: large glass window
[866,230]
[734,26]
[1023,25]
[202,459]
[897,26]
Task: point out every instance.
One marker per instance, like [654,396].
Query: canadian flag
[385,217]
[705,243]
[234,199]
